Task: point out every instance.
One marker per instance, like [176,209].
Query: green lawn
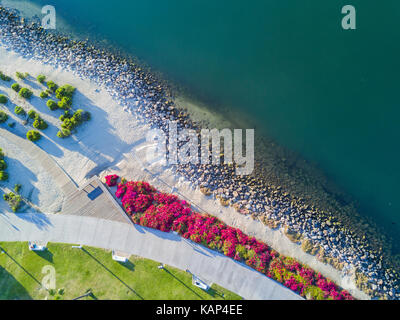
[80,270]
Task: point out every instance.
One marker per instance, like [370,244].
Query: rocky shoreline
[320,232]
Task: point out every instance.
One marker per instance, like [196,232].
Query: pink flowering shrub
[150,208]
[111,180]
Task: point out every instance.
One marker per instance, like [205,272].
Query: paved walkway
[163,247]
[63,181]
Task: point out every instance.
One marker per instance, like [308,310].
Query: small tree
[4,77]
[3,176]
[3,165]
[32,114]
[44,95]
[52,105]
[16,87]
[3,99]
[41,78]
[3,117]
[33,135]
[52,86]
[19,111]
[25,93]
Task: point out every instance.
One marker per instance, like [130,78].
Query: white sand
[114,142]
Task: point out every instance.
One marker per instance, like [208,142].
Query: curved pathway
[63,181]
[164,247]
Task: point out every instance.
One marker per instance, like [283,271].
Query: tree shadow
[112,273]
[11,289]
[40,220]
[20,266]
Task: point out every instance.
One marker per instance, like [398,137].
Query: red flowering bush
[111,180]
[167,212]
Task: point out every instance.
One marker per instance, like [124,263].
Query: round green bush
[32,114]
[3,176]
[25,93]
[65,91]
[19,111]
[40,124]
[21,75]
[3,99]
[4,77]
[52,105]
[16,87]
[3,117]
[41,78]
[44,95]
[33,135]
[64,103]
[3,165]
[1,154]
[52,86]
[63,133]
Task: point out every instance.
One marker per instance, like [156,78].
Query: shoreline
[148,100]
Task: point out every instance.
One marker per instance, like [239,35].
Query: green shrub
[63,133]
[64,103]
[16,87]
[40,124]
[4,77]
[1,154]
[3,165]
[19,111]
[52,105]
[13,200]
[65,91]
[17,188]
[3,117]
[41,78]
[3,99]
[11,124]
[21,75]
[3,176]
[33,135]
[52,86]
[25,93]
[32,114]
[44,95]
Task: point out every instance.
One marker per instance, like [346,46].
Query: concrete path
[63,181]
[163,247]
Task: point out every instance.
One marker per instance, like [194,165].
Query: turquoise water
[329,94]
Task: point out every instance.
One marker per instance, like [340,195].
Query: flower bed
[150,208]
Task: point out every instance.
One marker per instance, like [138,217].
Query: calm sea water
[330,94]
